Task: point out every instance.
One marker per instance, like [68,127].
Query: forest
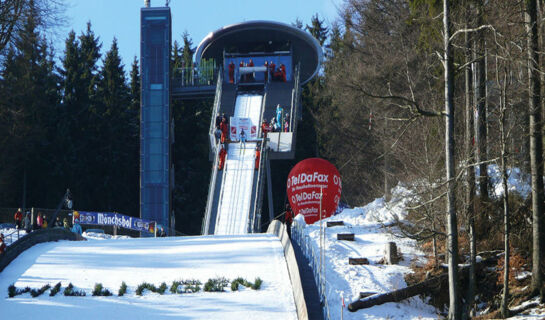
[427,93]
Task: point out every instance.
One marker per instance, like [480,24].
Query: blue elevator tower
[155,117]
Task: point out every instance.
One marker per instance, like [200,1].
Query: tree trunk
[536,147]
[452,227]
[505,295]
[480,101]
[470,174]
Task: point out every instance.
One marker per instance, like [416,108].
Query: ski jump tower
[248,91]
[246,94]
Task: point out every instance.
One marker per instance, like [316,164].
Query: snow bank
[517,181]
[344,280]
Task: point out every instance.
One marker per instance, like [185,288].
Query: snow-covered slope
[152,260]
[347,281]
[236,190]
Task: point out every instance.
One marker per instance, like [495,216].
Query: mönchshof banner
[239,124]
[310,180]
[114,219]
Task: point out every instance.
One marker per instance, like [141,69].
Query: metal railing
[211,191]
[195,76]
[215,109]
[312,253]
[255,223]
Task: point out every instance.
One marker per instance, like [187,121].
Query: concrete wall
[38,236]
[279,229]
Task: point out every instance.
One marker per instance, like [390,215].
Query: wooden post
[391,253]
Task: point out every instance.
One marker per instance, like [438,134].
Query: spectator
[224,127]
[240,65]
[162,232]
[288,219]
[44,224]
[39,221]
[77,228]
[57,223]
[223,154]
[2,244]
[283,72]
[265,128]
[18,216]
[266,72]
[273,125]
[217,133]
[27,224]
[243,137]
[231,72]
[272,67]
[286,126]
[257,155]
[218,119]
[66,224]
[279,112]
[251,76]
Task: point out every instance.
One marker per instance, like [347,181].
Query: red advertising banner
[310,181]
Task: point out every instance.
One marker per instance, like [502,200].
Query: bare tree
[452,226]
[46,14]
[536,144]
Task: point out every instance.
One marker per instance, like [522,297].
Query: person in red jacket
[283,72]
[251,76]
[272,68]
[257,155]
[223,154]
[288,218]
[2,244]
[231,72]
[224,130]
[18,216]
[265,128]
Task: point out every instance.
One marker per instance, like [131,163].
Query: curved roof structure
[306,49]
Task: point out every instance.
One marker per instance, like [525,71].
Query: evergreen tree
[28,84]
[187,51]
[318,29]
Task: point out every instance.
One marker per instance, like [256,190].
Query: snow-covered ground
[153,260]
[344,280]
[11,235]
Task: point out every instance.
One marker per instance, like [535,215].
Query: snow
[238,174]
[153,260]
[517,181]
[344,280]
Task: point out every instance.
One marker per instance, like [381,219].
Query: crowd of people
[271,73]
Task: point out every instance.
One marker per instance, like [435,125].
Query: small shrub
[257,283]
[239,281]
[36,293]
[140,289]
[12,291]
[216,285]
[192,286]
[162,288]
[99,290]
[174,288]
[70,292]
[122,289]
[55,289]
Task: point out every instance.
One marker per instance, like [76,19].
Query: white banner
[239,124]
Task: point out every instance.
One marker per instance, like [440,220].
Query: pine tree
[318,29]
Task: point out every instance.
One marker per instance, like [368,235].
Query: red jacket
[2,246]
[18,216]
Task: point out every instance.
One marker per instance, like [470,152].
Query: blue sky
[121,18]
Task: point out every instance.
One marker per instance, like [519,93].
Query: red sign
[313,183]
